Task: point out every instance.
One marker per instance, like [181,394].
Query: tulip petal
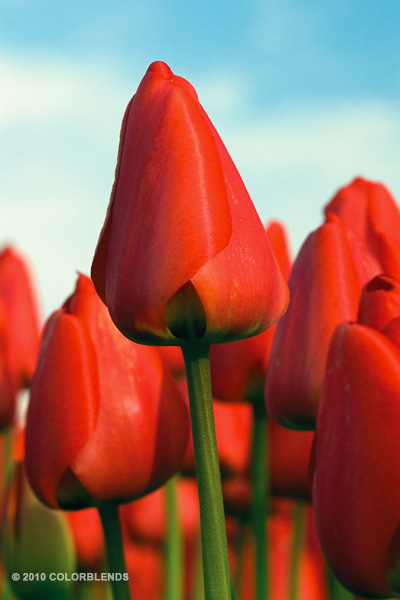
[124,468]
[371,212]
[324,291]
[66,377]
[356,466]
[169,208]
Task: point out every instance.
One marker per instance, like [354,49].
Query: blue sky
[305,95]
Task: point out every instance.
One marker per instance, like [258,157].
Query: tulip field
[208,417]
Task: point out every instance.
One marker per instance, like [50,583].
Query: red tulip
[310,585]
[233,428]
[18,299]
[356,464]
[238,368]
[289,460]
[145,569]
[182,252]
[325,289]
[105,421]
[87,533]
[289,456]
[173,358]
[145,519]
[8,383]
[368,209]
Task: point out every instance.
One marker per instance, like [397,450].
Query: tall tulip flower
[182,252]
[355,465]
[183,260]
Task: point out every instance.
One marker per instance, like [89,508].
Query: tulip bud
[370,211]
[325,291]
[182,254]
[355,465]
[19,301]
[105,421]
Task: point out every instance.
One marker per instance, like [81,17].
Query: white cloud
[59,129]
[40,92]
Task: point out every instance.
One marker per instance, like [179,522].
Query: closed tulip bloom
[20,306]
[105,422]
[355,466]
[369,209]
[182,254]
[325,289]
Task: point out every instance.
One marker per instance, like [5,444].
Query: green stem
[6,595]
[239,554]
[7,442]
[297,546]
[212,519]
[174,545]
[260,497]
[115,553]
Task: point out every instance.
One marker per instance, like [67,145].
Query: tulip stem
[174,545]
[260,497]
[217,585]
[7,448]
[115,554]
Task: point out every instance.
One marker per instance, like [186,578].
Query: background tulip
[369,209]
[325,290]
[233,428]
[20,304]
[87,533]
[308,584]
[355,464]
[105,421]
